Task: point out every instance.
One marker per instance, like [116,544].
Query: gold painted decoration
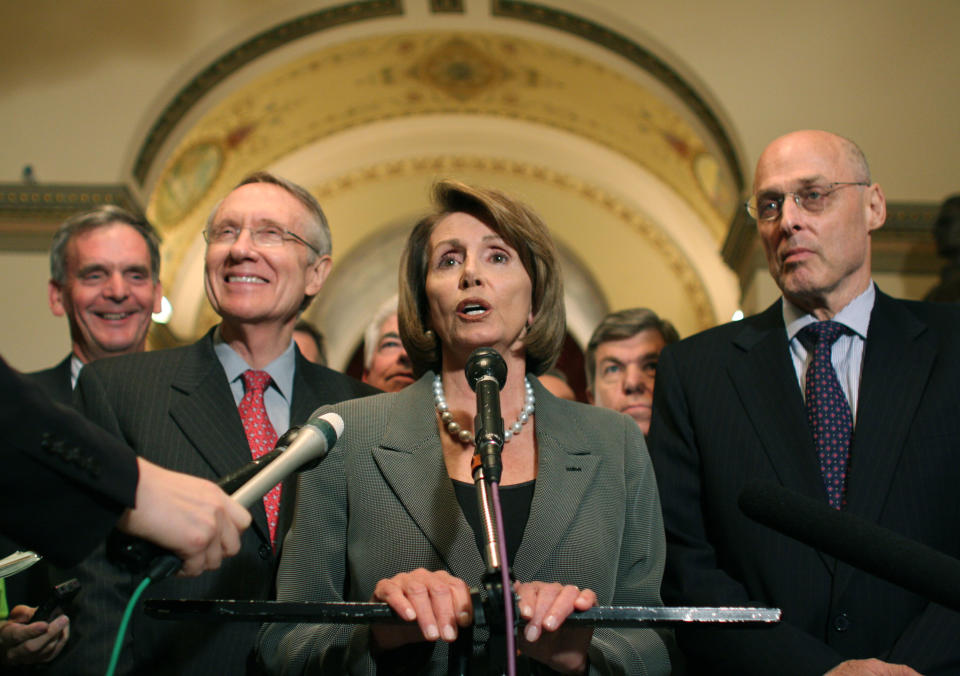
[186,182]
[418,74]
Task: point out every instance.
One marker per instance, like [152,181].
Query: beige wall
[84,81]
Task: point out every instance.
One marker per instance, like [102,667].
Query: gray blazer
[382,503]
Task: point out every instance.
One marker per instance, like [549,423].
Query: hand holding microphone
[191,517]
[195,523]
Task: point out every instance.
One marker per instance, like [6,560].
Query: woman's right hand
[438,601]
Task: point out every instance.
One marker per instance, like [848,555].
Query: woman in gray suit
[391,515]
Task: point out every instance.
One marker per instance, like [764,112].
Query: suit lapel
[766,382]
[64,382]
[411,462]
[896,366]
[565,472]
[202,406]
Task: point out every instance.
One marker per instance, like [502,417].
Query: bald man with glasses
[836,391]
[208,408]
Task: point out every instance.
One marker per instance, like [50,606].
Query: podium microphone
[487,373]
[855,541]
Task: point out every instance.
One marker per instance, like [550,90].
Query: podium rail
[367,612]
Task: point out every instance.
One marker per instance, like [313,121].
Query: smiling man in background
[105,278]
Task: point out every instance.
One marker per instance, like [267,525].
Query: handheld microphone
[312,443]
[300,448]
[855,541]
[486,372]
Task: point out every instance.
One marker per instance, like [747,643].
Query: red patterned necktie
[828,412]
[260,436]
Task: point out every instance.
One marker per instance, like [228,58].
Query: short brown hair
[522,229]
[624,324]
[101,217]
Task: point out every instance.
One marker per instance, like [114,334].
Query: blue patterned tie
[828,412]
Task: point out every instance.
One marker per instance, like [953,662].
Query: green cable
[118,644]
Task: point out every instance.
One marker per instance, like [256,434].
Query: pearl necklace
[465,436]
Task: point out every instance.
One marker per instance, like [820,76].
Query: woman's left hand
[545,606]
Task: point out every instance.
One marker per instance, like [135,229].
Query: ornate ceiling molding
[630,50]
[244,53]
[30,213]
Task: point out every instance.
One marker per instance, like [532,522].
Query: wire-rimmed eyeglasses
[264,236]
[768,206]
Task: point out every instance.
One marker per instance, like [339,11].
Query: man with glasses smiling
[206,409]
[837,391]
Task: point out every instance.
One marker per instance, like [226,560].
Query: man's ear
[55,298]
[157,297]
[317,273]
[876,207]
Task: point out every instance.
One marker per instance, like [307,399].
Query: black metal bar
[365,612]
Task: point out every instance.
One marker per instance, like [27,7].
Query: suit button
[841,622]
[264,552]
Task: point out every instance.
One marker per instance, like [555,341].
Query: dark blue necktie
[828,412]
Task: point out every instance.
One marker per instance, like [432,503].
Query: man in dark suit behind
[105,278]
[731,406]
[268,254]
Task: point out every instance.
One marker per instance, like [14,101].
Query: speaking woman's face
[478,291]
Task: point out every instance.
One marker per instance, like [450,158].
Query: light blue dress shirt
[277,397]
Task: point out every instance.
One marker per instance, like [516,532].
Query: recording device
[855,541]
[298,449]
[486,372]
[59,597]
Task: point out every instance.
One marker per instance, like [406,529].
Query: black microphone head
[485,361]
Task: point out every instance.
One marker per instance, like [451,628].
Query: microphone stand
[493,604]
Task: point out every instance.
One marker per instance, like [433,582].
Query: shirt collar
[855,315]
[280,369]
[75,366]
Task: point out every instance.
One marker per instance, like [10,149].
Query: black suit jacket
[64,481]
[175,408]
[728,409]
[55,381]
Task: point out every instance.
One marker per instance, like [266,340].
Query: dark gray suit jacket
[175,408]
[382,503]
[728,409]
[55,381]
